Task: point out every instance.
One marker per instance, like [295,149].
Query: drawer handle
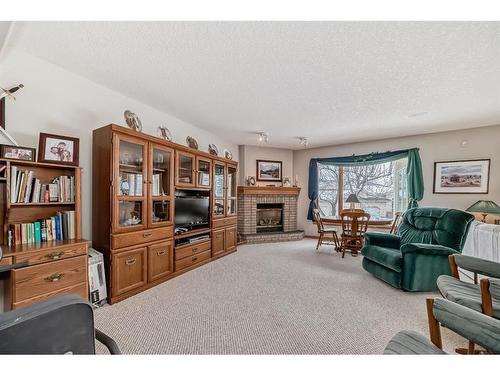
[146,235]
[195,249]
[130,262]
[194,259]
[55,277]
[55,255]
[160,253]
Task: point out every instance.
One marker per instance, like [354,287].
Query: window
[380,188]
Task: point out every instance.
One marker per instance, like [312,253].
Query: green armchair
[413,259]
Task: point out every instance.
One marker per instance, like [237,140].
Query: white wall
[248,156]
[482,143]
[57,101]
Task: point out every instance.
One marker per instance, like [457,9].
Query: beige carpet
[282,298]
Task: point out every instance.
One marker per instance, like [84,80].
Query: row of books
[131,184]
[25,188]
[61,226]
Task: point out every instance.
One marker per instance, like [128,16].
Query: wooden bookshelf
[20,212]
[47,268]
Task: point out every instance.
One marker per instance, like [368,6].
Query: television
[192,210]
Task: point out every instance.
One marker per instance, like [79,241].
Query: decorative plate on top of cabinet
[164,133]
[212,149]
[192,143]
[227,154]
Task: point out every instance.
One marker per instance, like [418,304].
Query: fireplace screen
[269,217]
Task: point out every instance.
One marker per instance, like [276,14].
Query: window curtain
[413,173]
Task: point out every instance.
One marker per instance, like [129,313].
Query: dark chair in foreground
[324,233]
[472,325]
[483,298]
[415,258]
[59,325]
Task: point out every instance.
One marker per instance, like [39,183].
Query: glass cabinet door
[231,190]
[185,169]
[219,189]
[203,169]
[130,183]
[160,185]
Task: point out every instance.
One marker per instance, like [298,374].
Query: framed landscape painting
[462,177]
[268,170]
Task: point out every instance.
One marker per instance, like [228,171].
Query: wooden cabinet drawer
[129,270]
[189,261]
[191,250]
[218,241]
[53,253]
[160,260]
[80,289]
[41,279]
[140,237]
[224,222]
[231,236]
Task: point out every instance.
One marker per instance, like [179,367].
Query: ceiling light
[263,136]
[304,141]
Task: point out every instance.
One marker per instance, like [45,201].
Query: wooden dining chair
[324,233]
[354,226]
[398,219]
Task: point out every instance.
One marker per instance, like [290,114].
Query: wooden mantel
[268,190]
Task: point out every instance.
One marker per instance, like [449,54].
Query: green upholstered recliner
[414,258]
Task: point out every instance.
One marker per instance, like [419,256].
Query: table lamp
[485,208]
[352,199]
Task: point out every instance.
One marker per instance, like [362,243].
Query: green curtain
[415,178]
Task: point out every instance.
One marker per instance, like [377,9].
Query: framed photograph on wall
[17,152]
[58,149]
[462,177]
[269,170]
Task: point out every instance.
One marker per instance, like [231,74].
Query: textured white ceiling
[334,82]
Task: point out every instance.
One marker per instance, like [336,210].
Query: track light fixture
[304,141]
[263,137]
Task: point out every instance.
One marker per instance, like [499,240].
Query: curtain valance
[413,172]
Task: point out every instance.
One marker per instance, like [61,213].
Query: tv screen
[191,212]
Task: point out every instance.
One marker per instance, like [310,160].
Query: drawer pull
[55,255]
[195,249]
[146,235]
[55,277]
[160,253]
[130,262]
[194,259]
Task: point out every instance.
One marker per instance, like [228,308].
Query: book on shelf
[134,184]
[26,188]
[61,226]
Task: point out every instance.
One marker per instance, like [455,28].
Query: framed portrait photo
[58,149]
[462,177]
[269,170]
[17,152]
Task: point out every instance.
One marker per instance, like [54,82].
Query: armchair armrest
[382,239]
[107,341]
[427,249]
[478,265]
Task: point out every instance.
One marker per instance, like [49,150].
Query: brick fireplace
[268,214]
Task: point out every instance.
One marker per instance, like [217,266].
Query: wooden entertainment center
[135,181]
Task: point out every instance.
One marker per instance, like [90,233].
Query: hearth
[269,217]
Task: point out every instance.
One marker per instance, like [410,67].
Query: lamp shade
[487,207]
[352,198]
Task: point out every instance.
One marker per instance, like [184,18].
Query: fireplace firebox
[269,217]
